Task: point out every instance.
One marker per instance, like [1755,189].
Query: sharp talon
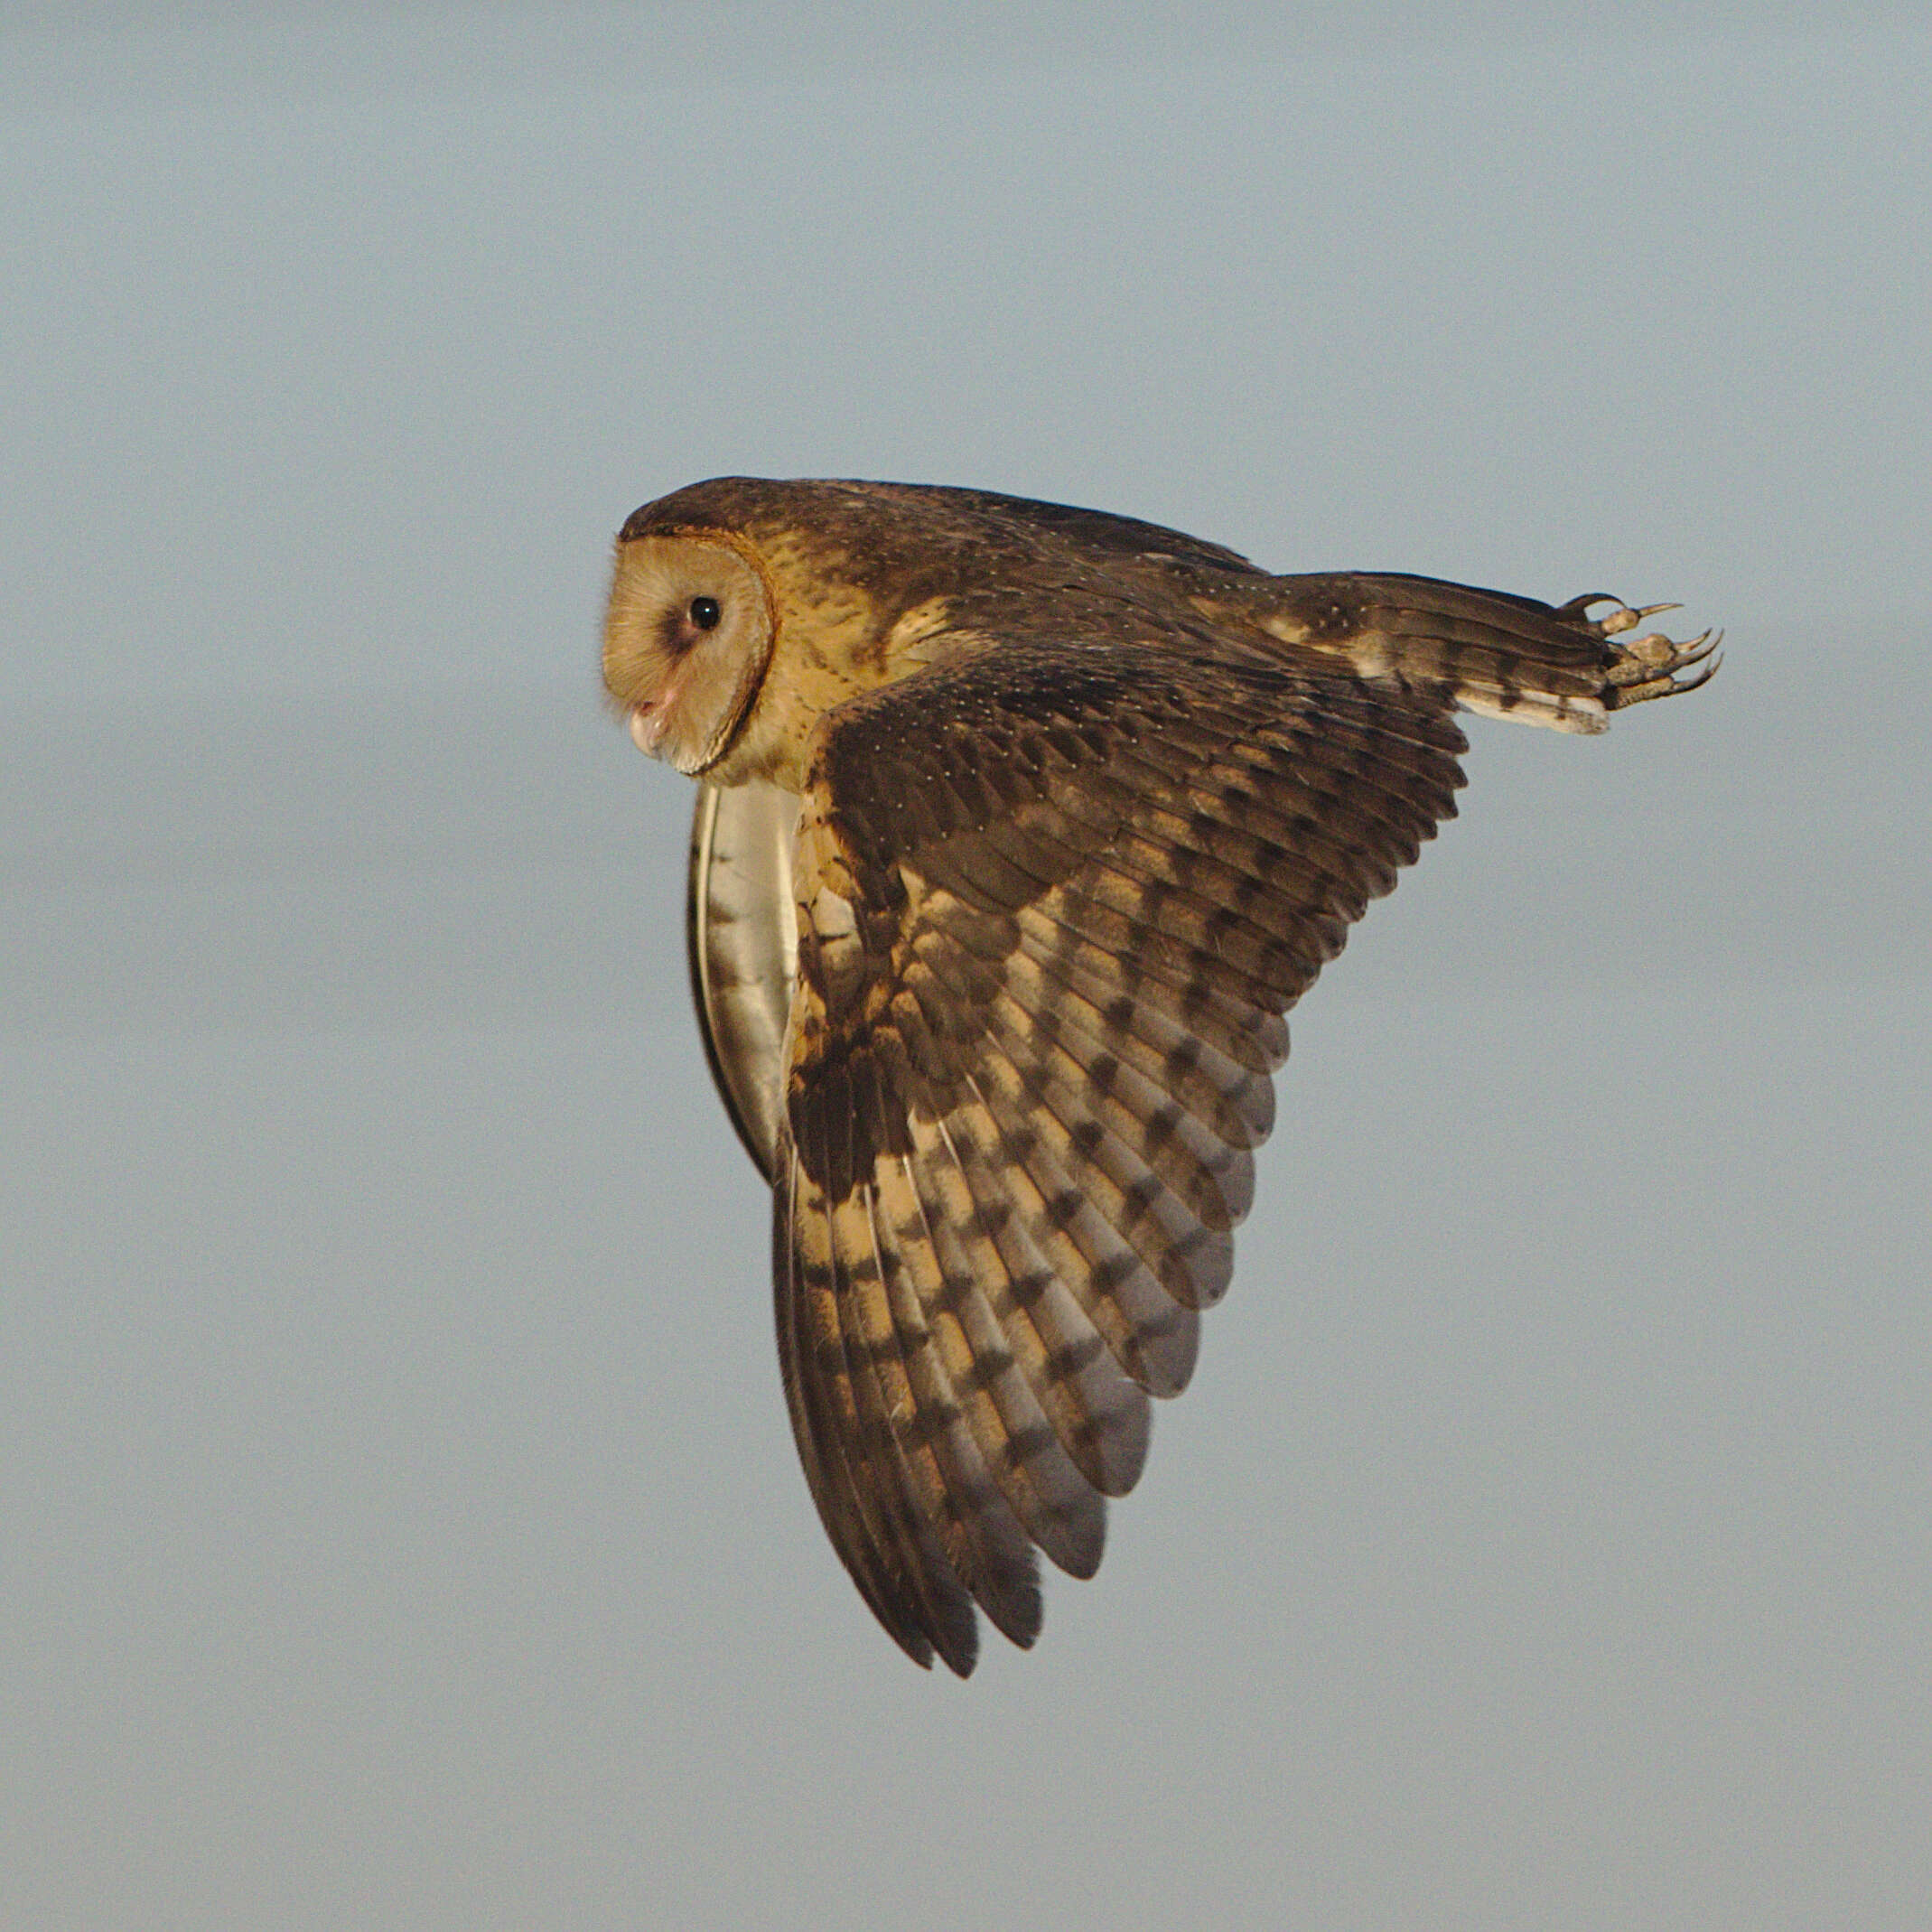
[1644,671]
[1651,666]
[1703,674]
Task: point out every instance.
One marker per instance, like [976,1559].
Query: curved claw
[1655,667]
[1625,617]
[1577,605]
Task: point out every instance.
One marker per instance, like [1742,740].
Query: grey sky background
[398,1521]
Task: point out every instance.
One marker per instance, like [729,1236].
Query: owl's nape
[1082,807]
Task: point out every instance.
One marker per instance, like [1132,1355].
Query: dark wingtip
[959,1659]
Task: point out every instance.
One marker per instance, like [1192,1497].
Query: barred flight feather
[1045,1490]
[1077,1223]
[1189,1254]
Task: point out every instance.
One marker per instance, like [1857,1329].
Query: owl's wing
[1053,903]
[742,942]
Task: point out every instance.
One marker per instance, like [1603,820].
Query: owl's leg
[1488,651]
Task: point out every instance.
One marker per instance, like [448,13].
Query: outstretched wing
[1053,903]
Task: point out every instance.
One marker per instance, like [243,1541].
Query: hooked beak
[646,725]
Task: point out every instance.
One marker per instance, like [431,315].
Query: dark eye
[706,612]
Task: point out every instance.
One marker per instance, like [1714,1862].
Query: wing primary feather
[1091,1019]
[1152,1335]
[1060,1510]
[1097,1410]
[1110,908]
[1121,871]
[980,1550]
[910,1499]
[1213,1178]
[811,1352]
[993,1557]
[1257,1036]
[1191,1256]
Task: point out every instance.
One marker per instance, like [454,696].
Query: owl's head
[686,643]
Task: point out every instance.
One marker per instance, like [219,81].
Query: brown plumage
[1019,829]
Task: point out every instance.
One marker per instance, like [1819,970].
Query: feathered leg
[1489,651]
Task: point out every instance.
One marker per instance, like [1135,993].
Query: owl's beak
[647,726]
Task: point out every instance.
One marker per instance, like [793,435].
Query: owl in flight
[1019,830]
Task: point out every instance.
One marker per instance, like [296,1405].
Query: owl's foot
[1651,666]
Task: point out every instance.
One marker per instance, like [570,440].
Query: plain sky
[399,1525]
